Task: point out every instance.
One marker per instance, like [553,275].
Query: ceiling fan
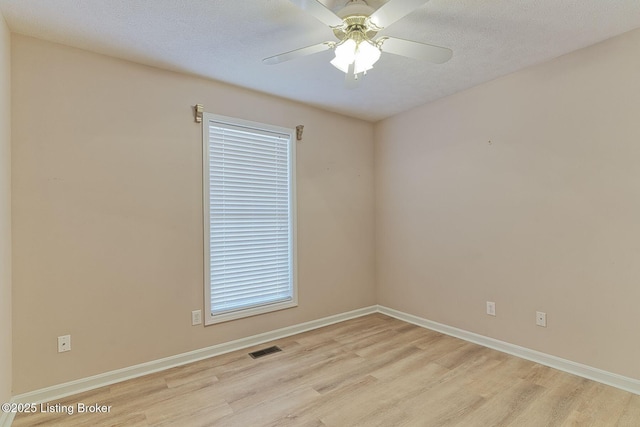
[355,27]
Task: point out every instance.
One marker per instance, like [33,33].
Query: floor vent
[265,351]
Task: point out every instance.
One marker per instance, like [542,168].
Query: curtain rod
[198,110]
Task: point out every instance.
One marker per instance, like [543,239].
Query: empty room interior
[409,212]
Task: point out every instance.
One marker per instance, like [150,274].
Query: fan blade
[427,52]
[393,10]
[320,11]
[288,56]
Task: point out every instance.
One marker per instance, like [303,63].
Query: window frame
[209,318]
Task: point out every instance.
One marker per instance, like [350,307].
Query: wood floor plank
[370,371]
[504,405]
[337,401]
[557,403]
[631,415]
[603,403]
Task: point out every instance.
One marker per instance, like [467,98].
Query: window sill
[220,318]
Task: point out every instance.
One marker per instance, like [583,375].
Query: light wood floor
[370,371]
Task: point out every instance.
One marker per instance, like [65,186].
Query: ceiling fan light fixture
[362,53]
[367,54]
[345,55]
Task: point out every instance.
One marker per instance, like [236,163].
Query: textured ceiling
[226,40]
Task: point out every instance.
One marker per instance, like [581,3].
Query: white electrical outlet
[64,343]
[541,319]
[196,317]
[491,308]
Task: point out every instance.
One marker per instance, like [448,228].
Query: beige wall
[545,216]
[107,212]
[5,213]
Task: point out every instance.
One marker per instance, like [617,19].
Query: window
[249,211]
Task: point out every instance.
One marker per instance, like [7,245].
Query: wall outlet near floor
[491,308]
[541,319]
[196,317]
[64,343]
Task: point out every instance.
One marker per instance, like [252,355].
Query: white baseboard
[66,389]
[73,387]
[624,383]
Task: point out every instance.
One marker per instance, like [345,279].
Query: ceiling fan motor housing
[355,8]
[355,16]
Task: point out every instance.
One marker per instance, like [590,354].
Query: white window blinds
[248,193]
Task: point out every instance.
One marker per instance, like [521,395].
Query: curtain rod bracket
[198,110]
[299,129]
